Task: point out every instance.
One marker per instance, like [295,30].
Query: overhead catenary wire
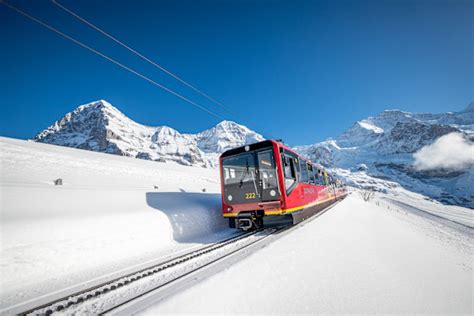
[51,28]
[113,38]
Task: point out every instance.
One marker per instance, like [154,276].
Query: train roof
[254,146]
[259,145]
[265,144]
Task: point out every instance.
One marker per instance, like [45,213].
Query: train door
[268,178]
[322,181]
[290,172]
[304,179]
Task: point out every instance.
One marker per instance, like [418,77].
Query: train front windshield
[250,177]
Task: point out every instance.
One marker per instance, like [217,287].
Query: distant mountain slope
[99,126]
[380,146]
[383,146]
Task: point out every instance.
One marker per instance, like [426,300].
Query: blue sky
[302,71]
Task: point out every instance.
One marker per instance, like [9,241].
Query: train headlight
[229,197]
[273,193]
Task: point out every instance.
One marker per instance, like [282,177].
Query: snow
[99,126]
[385,142]
[412,149]
[369,126]
[114,298]
[111,213]
[357,258]
[399,252]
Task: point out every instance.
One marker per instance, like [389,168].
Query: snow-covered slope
[386,143]
[114,214]
[111,213]
[359,258]
[99,126]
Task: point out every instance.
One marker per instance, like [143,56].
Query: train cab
[265,180]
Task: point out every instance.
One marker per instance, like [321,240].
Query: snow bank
[110,213]
[394,193]
[357,258]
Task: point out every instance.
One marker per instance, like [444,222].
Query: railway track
[106,297]
[134,291]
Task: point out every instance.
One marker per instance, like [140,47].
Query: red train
[265,181]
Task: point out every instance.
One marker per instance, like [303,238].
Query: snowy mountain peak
[386,144]
[99,105]
[231,127]
[99,126]
[226,135]
[228,124]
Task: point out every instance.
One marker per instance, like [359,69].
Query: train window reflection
[239,169]
[289,172]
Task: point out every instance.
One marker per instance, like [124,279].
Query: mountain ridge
[380,146]
[383,146]
[99,126]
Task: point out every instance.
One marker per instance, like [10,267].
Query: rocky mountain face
[380,146]
[383,146]
[99,126]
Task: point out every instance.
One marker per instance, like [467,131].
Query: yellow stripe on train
[288,210]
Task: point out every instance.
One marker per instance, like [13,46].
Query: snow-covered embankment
[358,258]
[110,213]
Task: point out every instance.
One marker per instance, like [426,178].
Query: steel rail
[104,287]
[159,293]
[83,296]
[227,254]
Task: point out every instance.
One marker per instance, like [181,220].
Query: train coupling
[244,223]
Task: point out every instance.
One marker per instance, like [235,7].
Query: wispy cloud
[452,152]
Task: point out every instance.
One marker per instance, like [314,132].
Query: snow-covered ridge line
[99,126]
[385,146]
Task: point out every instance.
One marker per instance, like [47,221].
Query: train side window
[304,172]
[289,165]
[320,178]
[312,179]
